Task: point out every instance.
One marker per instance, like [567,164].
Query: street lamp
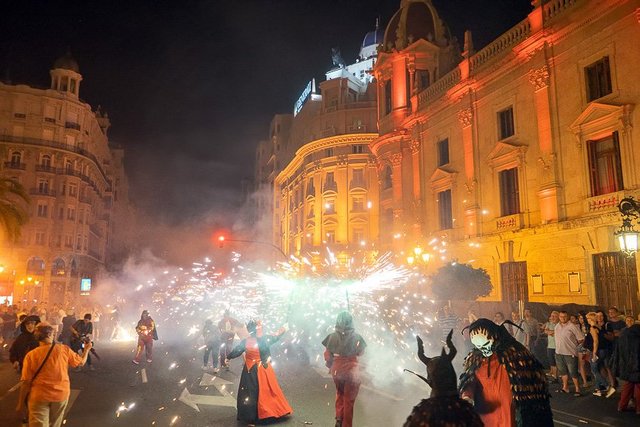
[627,235]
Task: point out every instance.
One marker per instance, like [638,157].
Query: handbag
[26,385]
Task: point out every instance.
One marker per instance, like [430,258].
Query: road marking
[562,423]
[324,374]
[143,374]
[193,400]
[72,399]
[579,417]
[210,380]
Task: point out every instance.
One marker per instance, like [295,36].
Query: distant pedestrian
[227,326]
[146,329]
[532,328]
[549,329]
[342,350]
[211,335]
[498,318]
[519,333]
[67,323]
[447,320]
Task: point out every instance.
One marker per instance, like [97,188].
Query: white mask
[482,342]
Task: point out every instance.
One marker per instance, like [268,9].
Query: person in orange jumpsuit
[343,347]
[503,381]
[147,333]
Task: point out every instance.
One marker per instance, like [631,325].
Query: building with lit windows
[56,146]
[514,157]
[318,164]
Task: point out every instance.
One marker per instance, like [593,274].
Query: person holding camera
[45,378]
[81,332]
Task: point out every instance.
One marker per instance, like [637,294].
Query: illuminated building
[515,156]
[56,146]
[325,185]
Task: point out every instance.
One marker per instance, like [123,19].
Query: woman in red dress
[259,395]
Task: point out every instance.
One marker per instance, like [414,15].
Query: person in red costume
[343,347]
[147,333]
[502,379]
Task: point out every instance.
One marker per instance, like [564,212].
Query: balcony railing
[13,165]
[45,168]
[58,145]
[357,128]
[42,192]
[72,125]
[510,222]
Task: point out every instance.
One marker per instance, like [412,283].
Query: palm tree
[13,214]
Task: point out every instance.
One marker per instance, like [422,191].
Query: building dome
[66,62]
[415,20]
[373,38]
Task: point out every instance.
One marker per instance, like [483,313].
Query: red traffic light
[220,241]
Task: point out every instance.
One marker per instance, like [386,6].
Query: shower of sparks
[388,307]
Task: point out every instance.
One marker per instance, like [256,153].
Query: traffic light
[220,241]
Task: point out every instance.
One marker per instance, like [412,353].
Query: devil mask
[485,335]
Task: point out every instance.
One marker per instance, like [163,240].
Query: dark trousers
[629,389]
[226,347]
[212,348]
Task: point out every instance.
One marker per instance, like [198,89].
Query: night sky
[190,86]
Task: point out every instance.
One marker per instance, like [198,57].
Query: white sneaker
[135,361]
[204,367]
[610,392]
[598,393]
[216,370]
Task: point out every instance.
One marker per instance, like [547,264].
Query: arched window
[45,161]
[16,158]
[35,265]
[58,267]
[74,268]
[387,177]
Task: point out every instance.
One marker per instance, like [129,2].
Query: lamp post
[627,235]
[419,260]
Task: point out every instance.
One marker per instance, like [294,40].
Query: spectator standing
[498,318]
[567,336]
[50,388]
[549,330]
[519,333]
[24,343]
[583,360]
[532,328]
[67,323]
[593,342]
[606,347]
[616,323]
[628,320]
[625,364]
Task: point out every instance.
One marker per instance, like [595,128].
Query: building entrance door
[513,279]
[616,281]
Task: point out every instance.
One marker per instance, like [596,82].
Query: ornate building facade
[317,162]
[56,146]
[514,157]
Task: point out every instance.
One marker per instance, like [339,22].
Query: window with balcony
[43,210]
[71,213]
[311,190]
[328,152]
[598,79]
[45,161]
[73,190]
[329,182]
[16,158]
[605,167]
[443,152]
[509,192]
[357,179]
[505,123]
[43,186]
[445,213]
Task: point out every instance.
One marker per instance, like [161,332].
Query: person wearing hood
[259,395]
[625,364]
[147,333]
[24,343]
[342,349]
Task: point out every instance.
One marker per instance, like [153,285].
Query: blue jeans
[600,382]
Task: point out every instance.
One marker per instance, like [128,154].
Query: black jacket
[24,343]
[625,361]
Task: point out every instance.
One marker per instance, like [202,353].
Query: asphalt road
[168,391]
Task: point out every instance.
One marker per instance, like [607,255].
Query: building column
[417,211]
[549,188]
[342,199]
[471,206]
